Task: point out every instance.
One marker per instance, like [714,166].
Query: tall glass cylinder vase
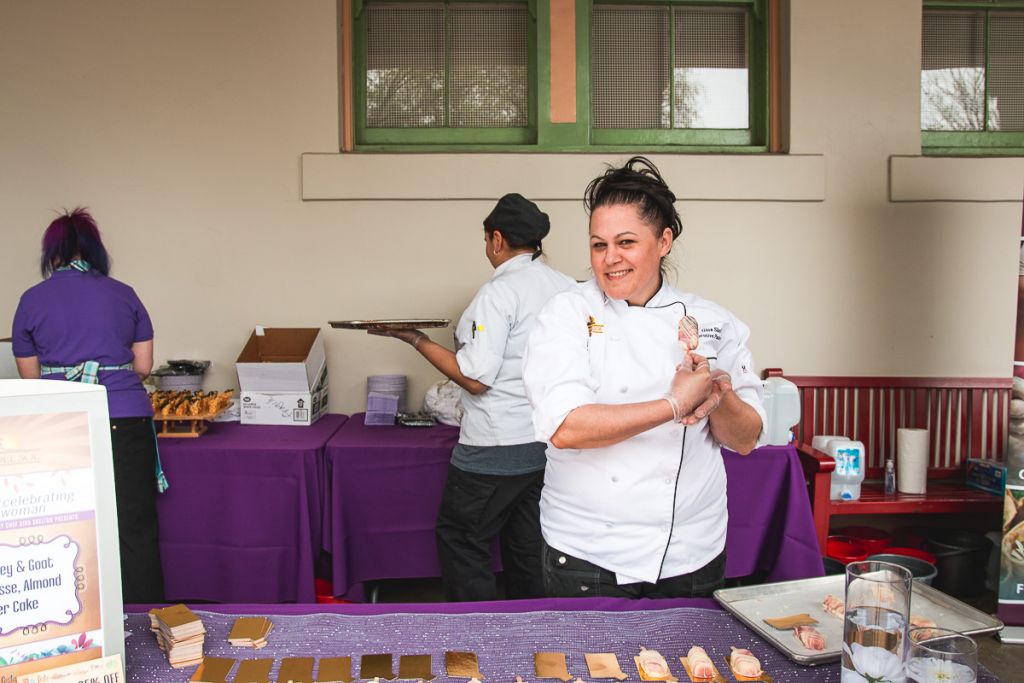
[875,628]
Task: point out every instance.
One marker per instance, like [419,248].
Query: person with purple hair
[81,325]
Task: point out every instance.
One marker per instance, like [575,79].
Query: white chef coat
[491,336]
[620,506]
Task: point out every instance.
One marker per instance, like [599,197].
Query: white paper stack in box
[385,398]
[180,633]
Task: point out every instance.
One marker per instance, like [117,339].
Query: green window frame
[541,134]
[751,138]
[443,134]
[943,138]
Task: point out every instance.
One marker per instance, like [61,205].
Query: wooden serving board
[183,426]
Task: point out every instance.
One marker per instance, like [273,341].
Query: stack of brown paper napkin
[180,634]
[250,632]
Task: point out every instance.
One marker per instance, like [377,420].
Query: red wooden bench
[965,417]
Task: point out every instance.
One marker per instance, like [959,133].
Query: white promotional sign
[60,583]
[39,584]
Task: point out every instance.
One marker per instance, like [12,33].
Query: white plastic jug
[820,442]
[849,472]
[782,409]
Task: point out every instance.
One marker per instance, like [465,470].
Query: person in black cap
[497,468]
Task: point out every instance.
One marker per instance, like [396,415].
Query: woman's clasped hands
[696,390]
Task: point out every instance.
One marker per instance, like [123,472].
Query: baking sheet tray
[391,324]
[752,604]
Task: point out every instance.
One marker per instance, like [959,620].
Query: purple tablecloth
[503,635]
[771,526]
[241,520]
[385,487]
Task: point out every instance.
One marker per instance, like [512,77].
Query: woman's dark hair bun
[637,182]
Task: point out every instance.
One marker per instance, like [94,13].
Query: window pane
[630,67]
[710,69]
[953,71]
[404,66]
[489,66]
[1006,71]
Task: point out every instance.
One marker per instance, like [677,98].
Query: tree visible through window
[972,75]
[477,74]
[453,66]
[669,67]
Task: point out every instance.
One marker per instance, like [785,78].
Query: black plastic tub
[921,571]
[961,557]
[833,566]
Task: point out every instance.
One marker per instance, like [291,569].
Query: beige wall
[182,125]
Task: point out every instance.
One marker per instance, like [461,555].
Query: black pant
[566,576]
[134,444]
[474,509]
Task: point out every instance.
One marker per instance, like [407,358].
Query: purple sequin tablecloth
[241,521]
[504,636]
[384,489]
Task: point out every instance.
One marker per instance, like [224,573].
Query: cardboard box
[987,475]
[282,376]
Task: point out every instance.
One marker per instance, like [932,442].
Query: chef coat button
[561,559]
[615,480]
[668,480]
[674,433]
[623,390]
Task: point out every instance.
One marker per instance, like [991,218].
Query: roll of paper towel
[911,460]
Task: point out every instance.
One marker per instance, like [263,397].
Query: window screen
[953,71]
[630,67]
[450,66]
[489,69]
[710,69]
[1006,71]
[972,71]
[404,66]
[669,67]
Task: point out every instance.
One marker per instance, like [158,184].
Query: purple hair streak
[73,235]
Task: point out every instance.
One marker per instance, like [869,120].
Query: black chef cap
[519,220]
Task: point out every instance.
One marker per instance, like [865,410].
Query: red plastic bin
[845,549]
[325,592]
[875,540]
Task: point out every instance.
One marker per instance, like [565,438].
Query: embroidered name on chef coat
[711,332]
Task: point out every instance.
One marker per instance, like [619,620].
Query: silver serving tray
[752,604]
[391,324]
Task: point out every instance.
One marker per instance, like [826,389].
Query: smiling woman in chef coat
[636,386]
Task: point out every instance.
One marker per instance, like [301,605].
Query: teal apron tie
[87,372]
[161,481]
[78,264]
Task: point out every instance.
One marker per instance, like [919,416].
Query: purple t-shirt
[73,317]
